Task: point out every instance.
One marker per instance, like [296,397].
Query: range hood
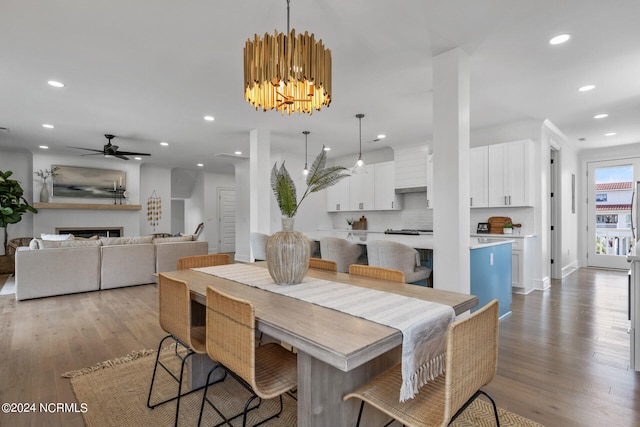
[422,189]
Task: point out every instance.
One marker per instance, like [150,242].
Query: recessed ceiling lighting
[609,134]
[44,147]
[48,126]
[560,38]
[200,165]
[209,118]
[164,144]
[327,148]
[382,136]
[55,83]
[600,116]
[586,88]
[238,153]
[137,158]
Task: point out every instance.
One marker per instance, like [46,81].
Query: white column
[260,180]
[451,213]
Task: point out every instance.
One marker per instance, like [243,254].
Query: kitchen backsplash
[415,215]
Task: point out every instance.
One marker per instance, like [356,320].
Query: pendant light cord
[288,1]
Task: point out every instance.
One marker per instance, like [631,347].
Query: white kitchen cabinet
[430,181]
[509,174]
[411,167]
[479,174]
[362,189]
[338,196]
[385,190]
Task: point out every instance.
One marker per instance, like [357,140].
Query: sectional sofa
[49,268]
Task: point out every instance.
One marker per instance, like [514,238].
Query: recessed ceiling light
[164,144]
[560,38]
[55,83]
[327,148]
[209,118]
[586,88]
[600,116]
[382,136]
[137,158]
[609,134]
[48,126]
[238,153]
[200,165]
[44,147]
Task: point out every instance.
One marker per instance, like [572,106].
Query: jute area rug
[115,393]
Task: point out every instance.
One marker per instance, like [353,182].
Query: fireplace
[91,231]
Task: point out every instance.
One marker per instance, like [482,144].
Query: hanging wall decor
[154,209]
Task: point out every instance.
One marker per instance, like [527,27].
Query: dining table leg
[321,388]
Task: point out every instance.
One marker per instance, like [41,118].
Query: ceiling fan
[110,150]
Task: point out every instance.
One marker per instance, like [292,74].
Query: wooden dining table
[337,352]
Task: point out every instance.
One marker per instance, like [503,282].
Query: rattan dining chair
[266,371]
[175,319]
[376,272]
[471,363]
[208,260]
[323,264]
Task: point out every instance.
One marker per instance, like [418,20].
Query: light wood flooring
[563,361]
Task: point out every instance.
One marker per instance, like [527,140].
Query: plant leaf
[284,189]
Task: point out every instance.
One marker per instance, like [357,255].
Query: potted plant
[288,250]
[507,228]
[12,206]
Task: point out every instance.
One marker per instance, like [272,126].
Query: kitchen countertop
[423,241]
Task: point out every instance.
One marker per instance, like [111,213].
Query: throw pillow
[56,237]
[86,238]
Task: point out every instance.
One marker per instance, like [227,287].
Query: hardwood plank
[563,358]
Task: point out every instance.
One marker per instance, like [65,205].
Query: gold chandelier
[287,72]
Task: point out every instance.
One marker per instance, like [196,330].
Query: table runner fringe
[428,371]
[136,354]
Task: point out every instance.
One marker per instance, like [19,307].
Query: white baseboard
[567,270]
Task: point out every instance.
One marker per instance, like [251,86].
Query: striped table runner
[423,324]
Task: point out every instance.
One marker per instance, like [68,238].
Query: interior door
[610,197]
[226,220]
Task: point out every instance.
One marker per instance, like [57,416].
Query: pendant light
[305,172]
[359,163]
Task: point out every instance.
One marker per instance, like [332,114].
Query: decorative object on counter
[361,224]
[44,174]
[496,224]
[12,206]
[350,223]
[154,209]
[483,227]
[507,228]
[288,251]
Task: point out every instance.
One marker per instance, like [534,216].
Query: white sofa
[49,268]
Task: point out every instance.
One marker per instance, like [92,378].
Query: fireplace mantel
[94,206]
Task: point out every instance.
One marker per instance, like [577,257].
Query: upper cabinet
[411,167]
[362,189]
[338,196]
[479,186]
[385,189]
[372,189]
[509,174]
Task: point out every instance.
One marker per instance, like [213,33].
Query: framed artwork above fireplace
[76,181]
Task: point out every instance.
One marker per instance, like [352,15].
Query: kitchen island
[491,268]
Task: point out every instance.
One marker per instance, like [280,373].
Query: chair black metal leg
[360,413]
[495,408]
[155,367]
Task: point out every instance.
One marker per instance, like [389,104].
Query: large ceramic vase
[288,254]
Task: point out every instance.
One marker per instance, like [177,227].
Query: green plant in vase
[12,204]
[287,250]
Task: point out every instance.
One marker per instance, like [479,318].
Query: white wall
[21,166]
[243,242]
[47,220]
[569,165]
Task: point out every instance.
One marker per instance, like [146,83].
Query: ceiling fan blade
[131,153]
[88,149]
[93,154]
[120,156]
